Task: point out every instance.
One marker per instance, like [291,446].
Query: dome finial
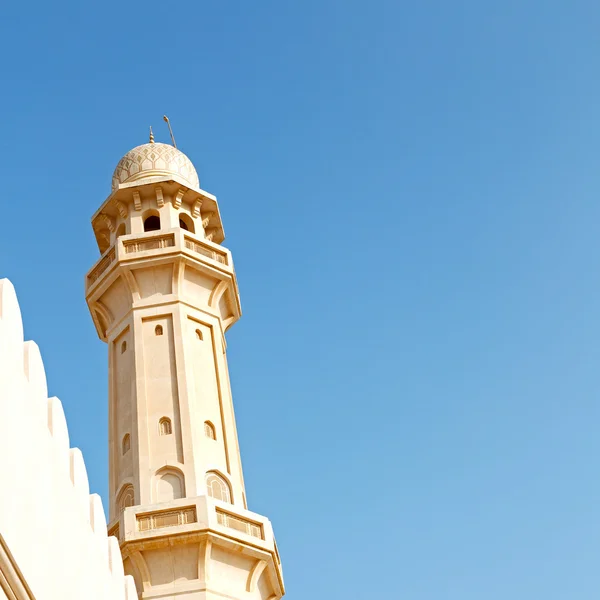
[151,135]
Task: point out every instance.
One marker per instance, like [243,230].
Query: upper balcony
[152,244]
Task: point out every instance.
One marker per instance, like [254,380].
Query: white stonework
[53,538]
[162,295]
[152,159]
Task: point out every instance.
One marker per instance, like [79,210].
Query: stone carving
[210,233]
[171,518]
[196,207]
[206,217]
[102,265]
[178,198]
[149,160]
[163,241]
[137,201]
[122,209]
[248,527]
[192,244]
[160,201]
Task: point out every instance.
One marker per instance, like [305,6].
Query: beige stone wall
[53,539]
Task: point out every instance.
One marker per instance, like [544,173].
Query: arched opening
[169,485]
[217,487]
[121,230]
[165,427]
[125,498]
[209,430]
[158,330]
[186,222]
[123,347]
[126,444]
[199,334]
[152,223]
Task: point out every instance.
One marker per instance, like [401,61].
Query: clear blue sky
[411,192]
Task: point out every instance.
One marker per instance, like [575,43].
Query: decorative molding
[195,246]
[122,208]
[210,233]
[131,281]
[207,559]
[206,217]
[154,159]
[178,275]
[154,243]
[196,207]
[140,562]
[101,266]
[178,198]
[108,221]
[217,292]
[160,201]
[137,201]
[166,518]
[240,524]
[255,574]
[103,312]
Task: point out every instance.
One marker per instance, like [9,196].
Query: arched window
[123,347]
[152,223]
[169,485]
[158,330]
[125,498]
[217,487]
[186,222]
[126,445]
[199,334]
[164,426]
[209,430]
[121,230]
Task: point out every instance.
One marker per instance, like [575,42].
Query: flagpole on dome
[166,119]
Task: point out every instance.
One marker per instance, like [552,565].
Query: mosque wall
[53,539]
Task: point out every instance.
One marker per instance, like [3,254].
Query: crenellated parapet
[53,536]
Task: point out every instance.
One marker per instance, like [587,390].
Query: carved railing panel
[153,243]
[239,524]
[166,518]
[195,246]
[102,265]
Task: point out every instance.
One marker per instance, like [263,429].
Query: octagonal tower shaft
[162,296]
[163,304]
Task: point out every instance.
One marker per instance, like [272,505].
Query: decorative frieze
[153,243]
[166,518]
[195,246]
[239,524]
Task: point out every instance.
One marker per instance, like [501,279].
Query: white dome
[154,159]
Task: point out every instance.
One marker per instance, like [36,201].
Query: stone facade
[53,535]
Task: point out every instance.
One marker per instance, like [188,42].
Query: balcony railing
[177,240]
[205,250]
[153,243]
[102,265]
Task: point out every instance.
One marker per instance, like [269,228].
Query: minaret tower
[162,296]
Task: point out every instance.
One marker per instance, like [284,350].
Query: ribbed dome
[154,159]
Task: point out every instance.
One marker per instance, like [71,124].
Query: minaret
[162,296]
